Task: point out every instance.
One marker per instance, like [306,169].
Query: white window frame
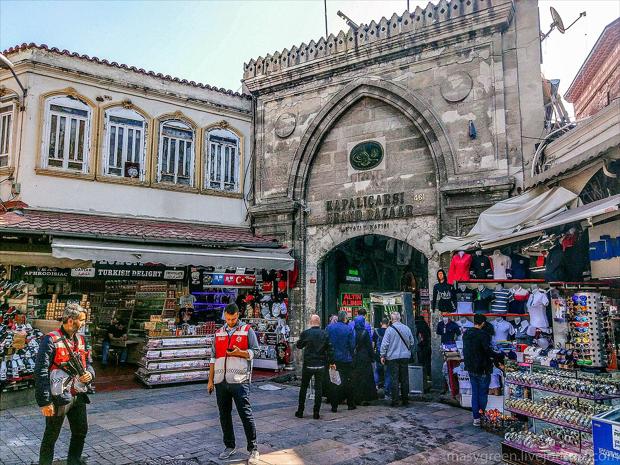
[222,155]
[7,113]
[69,103]
[113,127]
[169,143]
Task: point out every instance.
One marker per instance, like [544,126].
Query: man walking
[62,373]
[478,358]
[382,374]
[342,339]
[230,371]
[396,350]
[317,354]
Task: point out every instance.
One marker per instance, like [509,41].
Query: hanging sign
[47,272]
[348,299]
[201,278]
[83,272]
[132,271]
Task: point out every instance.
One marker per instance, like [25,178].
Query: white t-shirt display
[503,329]
[464,324]
[463,376]
[496,377]
[537,308]
[501,263]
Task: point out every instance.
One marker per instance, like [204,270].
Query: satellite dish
[558,23]
[557,20]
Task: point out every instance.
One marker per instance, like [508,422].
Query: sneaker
[316,415]
[476,421]
[254,458]
[227,453]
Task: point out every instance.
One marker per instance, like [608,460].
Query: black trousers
[79,427]
[424,358]
[345,390]
[306,376]
[399,372]
[239,393]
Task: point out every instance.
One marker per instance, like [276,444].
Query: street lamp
[5,63]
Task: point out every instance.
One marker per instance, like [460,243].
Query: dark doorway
[365,264]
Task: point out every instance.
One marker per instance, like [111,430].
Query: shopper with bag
[63,375]
[342,340]
[230,371]
[396,352]
[317,355]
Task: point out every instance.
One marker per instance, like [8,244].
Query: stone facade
[451,93]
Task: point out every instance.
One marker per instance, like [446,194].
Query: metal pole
[407,5]
[325,9]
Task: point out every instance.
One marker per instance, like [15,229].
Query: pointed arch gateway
[393,94]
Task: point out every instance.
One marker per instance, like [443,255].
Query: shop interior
[164,319]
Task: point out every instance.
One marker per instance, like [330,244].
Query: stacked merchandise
[55,309]
[588,335]
[557,407]
[175,359]
[150,300]
[119,300]
[19,345]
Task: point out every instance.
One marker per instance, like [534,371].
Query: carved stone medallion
[285,125]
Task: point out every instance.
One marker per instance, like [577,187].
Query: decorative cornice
[410,30]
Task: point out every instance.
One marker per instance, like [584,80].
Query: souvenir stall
[551,296]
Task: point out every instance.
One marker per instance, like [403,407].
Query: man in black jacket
[62,375]
[317,354]
[478,357]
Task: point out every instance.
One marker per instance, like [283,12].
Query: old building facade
[405,129]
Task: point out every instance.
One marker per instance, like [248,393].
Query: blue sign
[606,438]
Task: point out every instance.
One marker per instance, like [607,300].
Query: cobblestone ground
[180,426]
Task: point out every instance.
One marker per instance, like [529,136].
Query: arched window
[6,129]
[176,153]
[222,162]
[66,143]
[124,150]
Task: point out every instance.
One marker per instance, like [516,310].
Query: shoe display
[228,452]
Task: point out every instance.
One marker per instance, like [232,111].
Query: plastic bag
[334,376]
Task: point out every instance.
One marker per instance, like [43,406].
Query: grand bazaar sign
[371,207]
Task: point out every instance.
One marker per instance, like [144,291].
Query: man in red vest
[229,374]
[62,375]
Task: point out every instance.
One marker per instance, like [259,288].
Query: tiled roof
[129,228]
[167,77]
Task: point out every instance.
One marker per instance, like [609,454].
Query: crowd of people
[355,364]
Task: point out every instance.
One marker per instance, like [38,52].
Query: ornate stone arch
[396,95]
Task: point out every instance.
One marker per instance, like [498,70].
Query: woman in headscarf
[363,377]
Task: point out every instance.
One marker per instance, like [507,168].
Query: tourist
[317,355]
[396,352]
[363,378]
[478,358]
[62,355]
[230,371]
[343,343]
[382,374]
[423,334]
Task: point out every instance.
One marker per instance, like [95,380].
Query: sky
[208,41]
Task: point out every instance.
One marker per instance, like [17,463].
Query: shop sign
[201,279]
[131,271]
[372,207]
[83,272]
[353,276]
[48,272]
[348,299]
[605,250]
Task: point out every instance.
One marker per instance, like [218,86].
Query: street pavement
[180,426]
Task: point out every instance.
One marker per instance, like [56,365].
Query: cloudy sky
[208,41]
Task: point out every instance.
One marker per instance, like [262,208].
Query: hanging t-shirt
[464,301]
[500,304]
[448,332]
[187,301]
[519,298]
[503,330]
[496,378]
[463,377]
[501,266]
[520,266]
[483,299]
[521,329]
[464,324]
[537,308]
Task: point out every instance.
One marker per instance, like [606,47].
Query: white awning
[171,255]
[511,215]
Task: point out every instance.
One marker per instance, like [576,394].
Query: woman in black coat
[363,377]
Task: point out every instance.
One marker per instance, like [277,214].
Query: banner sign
[348,299]
[83,272]
[131,271]
[47,272]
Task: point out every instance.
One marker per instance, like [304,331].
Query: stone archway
[399,97]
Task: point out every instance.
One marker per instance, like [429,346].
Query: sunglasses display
[589,329]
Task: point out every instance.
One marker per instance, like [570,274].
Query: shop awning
[171,255]
[592,210]
[511,215]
